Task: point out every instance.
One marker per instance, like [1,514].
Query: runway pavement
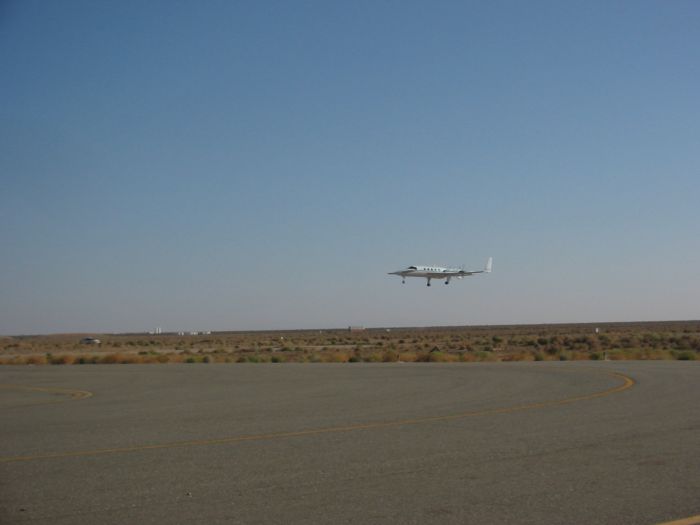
[531,443]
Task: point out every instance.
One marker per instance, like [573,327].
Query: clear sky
[263,165]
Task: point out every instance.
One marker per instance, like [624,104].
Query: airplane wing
[438,275]
[487,269]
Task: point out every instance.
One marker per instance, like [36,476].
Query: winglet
[489,265]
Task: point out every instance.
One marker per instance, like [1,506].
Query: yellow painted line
[627,382]
[693,520]
[70,395]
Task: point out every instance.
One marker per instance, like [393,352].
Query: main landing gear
[428,282]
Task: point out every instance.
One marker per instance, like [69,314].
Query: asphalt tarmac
[527,443]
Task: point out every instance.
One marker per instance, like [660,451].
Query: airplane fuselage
[425,271]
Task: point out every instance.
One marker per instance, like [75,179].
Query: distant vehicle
[437,272]
[90,341]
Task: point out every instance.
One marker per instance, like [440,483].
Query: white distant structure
[195,332]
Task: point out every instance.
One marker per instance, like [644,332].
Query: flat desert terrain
[675,340]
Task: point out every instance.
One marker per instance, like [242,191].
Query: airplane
[437,272]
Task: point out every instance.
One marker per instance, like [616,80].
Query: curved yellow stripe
[693,520]
[72,395]
[627,382]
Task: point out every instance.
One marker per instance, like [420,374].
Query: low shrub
[390,356]
[437,357]
[336,357]
[61,360]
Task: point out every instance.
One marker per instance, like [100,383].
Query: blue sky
[263,165]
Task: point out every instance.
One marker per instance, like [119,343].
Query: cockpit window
[412,268]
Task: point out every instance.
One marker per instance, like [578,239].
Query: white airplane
[436,272]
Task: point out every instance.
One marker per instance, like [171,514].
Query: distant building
[356,328]
[89,341]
